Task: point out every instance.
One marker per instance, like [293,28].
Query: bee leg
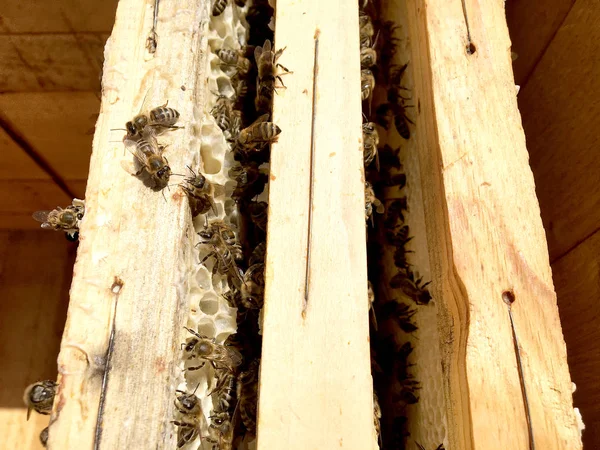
[284,68]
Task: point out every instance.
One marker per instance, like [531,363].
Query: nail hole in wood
[508,297]
[471,48]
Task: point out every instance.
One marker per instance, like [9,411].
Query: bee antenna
[117,129]
[177,175]
[197,386]
[190,169]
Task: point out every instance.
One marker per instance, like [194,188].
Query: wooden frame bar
[485,236]
[120,354]
[315,387]
[120,358]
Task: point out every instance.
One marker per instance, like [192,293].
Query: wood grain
[56,125]
[51,62]
[532,28]
[485,235]
[561,117]
[59,16]
[25,188]
[129,288]
[315,384]
[577,279]
[35,273]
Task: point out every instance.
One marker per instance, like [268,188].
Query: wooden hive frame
[119,359]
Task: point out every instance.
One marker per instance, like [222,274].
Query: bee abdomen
[164,116]
[219,7]
[227,56]
[267,131]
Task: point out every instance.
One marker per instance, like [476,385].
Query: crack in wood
[521,377]
[470,46]
[109,352]
[311,173]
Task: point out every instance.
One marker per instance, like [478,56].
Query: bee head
[198,182]
[42,392]
[191,344]
[164,173]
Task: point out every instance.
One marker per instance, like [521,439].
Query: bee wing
[263,118]
[132,168]
[235,355]
[267,46]
[41,216]
[257,53]
[144,107]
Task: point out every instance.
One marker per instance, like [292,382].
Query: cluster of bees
[244,120]
[40,397]
[393,317]
[231,383]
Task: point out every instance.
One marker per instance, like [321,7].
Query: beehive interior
[408,379]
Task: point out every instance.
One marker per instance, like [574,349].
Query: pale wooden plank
[315,385]
[485,235]
[57,126]
[136,237]
[532,27]
[561,117]
[35,274]
[33,16]
[577,279]
[51,62]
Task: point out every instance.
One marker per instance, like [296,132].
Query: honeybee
[367,83]
[201,193]
[235,122]
[370,143]
[189,423]
[412,286]
[59,219]
[247,393]
[371,300]
[251,180]
[266,62]
[206,349]
[151,43]
[220,430]
[222,112]
[368,57]
[253,287]
[224,390]
[40,396]
[402,314]
[159,120]
[219,232]
[366,29]
[258,133]
[258,214]
[218,7]
[44,437]
[149,161]
[258,254]
[377,416]
[235,59]
[370,201]
[225,250]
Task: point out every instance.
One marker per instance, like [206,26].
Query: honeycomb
[210,314]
